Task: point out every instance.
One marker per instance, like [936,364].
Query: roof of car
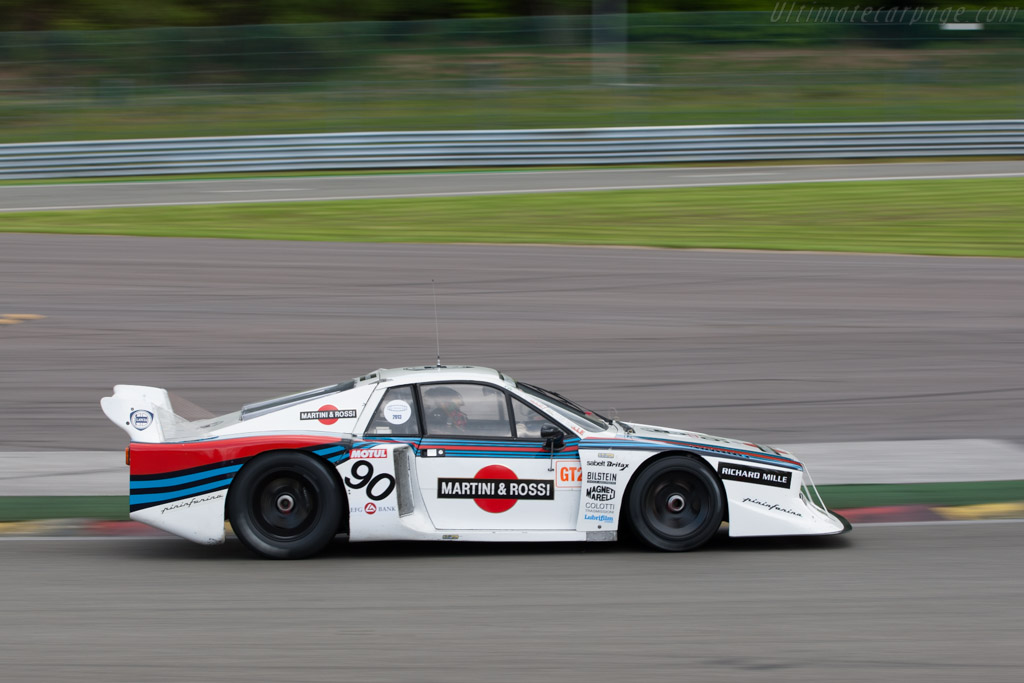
[433,373]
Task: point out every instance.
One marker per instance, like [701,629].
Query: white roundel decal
[141,419]
[397,412]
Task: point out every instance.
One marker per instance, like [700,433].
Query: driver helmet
[444,399]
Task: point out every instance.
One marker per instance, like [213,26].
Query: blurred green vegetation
[517,72]
[32,15]
[966,217]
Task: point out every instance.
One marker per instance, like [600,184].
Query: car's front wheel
[285,506]
[675,504]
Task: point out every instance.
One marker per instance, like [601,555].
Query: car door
[482,463]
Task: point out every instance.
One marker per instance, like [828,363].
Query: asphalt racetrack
[776,347]
[46,197]
[925,603]
[781,348]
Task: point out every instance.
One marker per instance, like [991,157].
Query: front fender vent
[403,475]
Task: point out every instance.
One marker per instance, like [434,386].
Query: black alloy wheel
[675,504]
[285,506]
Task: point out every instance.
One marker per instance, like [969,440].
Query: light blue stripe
[154,498]
[330,449]
[435,442]
[711,450]
[525,443]
[185,479]
[493,454]
[445,442]
[520,457]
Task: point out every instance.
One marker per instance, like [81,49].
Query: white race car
[448,453]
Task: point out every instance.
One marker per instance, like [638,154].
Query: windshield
[567,408]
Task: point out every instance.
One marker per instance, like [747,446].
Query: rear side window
[396,415]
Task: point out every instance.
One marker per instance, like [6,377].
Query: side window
[465,410]
[528,420]
[396,415]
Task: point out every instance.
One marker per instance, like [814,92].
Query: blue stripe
[481,453]
[437,442]
[459,449]
[478,442]
[155,498]
[493,454]
[329,450]
[712,450]
[165,496]
[185,479]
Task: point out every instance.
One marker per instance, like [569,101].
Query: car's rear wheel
[285,506]
[675,504]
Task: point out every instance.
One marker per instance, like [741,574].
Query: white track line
[413,195]
[90,538]
[950,522]
[939,522]
[260,189]
[520,172]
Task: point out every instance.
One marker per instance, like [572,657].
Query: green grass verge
[840,497]
[972,216]
[976,217]
[26,508]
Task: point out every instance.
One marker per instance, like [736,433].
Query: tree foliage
[35,15]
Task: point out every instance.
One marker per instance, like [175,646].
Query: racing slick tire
[675,504]
[285,506]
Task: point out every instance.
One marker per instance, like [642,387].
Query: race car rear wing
[146,414]
[140,411]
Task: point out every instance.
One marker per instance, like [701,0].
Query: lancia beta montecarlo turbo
[454,453]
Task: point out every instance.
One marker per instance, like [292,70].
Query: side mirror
[554,438]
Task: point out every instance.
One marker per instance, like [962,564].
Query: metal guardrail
[583,146]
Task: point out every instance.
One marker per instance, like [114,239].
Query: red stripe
[471,447]
[539,450]
[753,455]
[161,458]
[668,442]
[723,449]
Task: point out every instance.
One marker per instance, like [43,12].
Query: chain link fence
[532,72]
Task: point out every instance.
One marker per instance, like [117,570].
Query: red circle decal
[495,504]
[328,420]
[370,508]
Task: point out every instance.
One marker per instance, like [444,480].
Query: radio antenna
[437,331]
